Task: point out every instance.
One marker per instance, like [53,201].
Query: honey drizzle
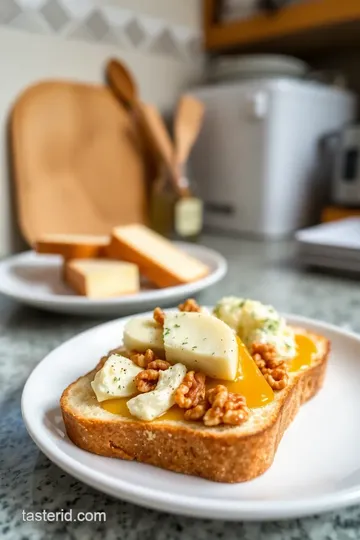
[249,382]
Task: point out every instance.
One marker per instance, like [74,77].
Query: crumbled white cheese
[116,378]
[257,322]
[153,404]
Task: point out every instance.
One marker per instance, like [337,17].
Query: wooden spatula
[124,87]
[188,120]
[163,143]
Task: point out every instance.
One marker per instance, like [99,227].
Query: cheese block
[158,258]
[201,342]
[141,334]
[77,246]
[97,278]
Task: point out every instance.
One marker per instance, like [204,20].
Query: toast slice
[73,246]
[102,278]
[222,454]
[158,258]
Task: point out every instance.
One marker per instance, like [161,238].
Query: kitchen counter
[30,482]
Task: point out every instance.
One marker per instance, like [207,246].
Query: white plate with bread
[237,413]
[130,270]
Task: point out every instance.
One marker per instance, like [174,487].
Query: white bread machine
[256,162]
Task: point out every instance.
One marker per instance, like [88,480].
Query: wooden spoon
[189,116]
[122,83]
[124,87]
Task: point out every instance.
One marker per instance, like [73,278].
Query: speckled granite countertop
[29,481]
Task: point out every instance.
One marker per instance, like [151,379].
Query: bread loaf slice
[73,246]
[222,454]
[158,259]
[97,278]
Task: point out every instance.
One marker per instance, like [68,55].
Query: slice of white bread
[102,278]
[223,454]
[158,258]
[73,246]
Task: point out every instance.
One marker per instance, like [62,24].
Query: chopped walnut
[190,305]
[191,391]
[147,380]
[159,316]
[226,407]
[159,365]
[272,367]
[143,359]
[197,412]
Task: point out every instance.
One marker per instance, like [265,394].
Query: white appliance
[257,157]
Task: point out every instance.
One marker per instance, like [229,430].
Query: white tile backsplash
[104,20]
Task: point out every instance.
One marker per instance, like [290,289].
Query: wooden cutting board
[77,161]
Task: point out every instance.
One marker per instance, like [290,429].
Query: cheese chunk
[115,379]
[160,260]
[153,404]
[141,334]
[201,342]
[102,278]
[73,246]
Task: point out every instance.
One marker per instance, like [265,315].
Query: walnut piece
[159,365]
[191,391]
[142,360]
[226,407]
[197,412]
[147,380]
[273,368]
[159,316]
[190,305]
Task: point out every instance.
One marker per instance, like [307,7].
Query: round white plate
[317,466]
[36,280]
[251,66]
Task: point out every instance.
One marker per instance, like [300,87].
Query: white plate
[36,280]
[317,466]
[259,66]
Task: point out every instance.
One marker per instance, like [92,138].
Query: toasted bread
[73,246]
[161,261]
[223,454]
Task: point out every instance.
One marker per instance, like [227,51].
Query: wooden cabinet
[298,28]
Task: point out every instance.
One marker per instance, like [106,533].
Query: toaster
[256,160]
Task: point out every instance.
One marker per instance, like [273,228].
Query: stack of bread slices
[110,266]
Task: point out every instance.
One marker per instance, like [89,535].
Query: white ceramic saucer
[36,280]
[317,466]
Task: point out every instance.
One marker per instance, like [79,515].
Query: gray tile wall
[84,21]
